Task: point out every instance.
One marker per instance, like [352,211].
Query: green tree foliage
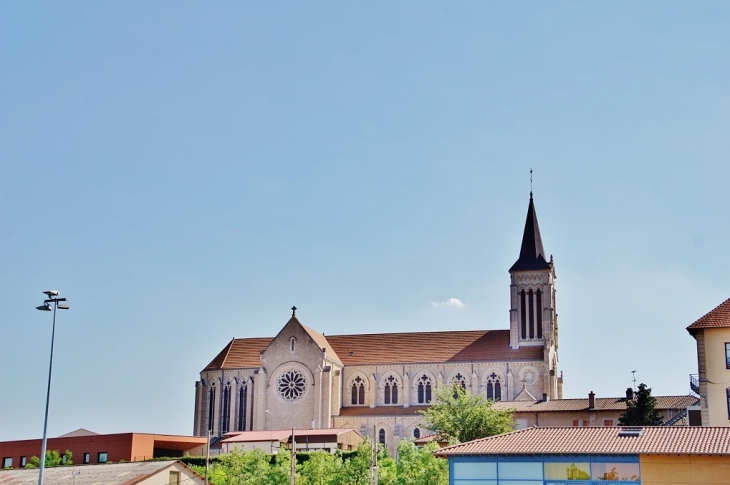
[458,416]
[641,411]
[254,467]
[321,468]
[420,466]
[53,458]
[356,469]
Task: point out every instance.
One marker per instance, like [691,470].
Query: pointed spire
[532,254]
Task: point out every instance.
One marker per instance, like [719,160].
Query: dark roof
[718,317]
[532,254]
[664,403]
[609,440]
[394,348]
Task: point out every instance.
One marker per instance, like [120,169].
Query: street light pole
[58,303]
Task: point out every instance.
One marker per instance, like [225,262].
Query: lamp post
[51,303]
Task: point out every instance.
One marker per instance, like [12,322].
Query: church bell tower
[533,316]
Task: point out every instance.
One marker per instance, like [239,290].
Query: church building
[302,379]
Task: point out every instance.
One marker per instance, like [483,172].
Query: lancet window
[211,407]
[530,315]
[358,391]
[494,387]
[458,378]
[225,409]
[242,398]
[424,390]
[390,391]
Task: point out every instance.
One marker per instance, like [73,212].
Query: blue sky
[184,173]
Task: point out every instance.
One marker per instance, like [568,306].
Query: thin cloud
[450,303]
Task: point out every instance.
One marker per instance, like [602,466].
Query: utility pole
[207,457]
[293,457]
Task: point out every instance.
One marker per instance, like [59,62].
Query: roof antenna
[633,376]
[531,182]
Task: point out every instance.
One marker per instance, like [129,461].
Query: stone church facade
[302,379]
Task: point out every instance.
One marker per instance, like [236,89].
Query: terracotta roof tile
[719,317]
[394,348]
[600,440]
[323,343]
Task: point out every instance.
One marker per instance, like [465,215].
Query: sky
[185,172]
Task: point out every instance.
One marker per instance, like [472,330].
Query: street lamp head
[63,306]
[51,293]
[45,307]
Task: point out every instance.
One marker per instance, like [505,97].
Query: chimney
[591,400]
[629,393]
[544,397]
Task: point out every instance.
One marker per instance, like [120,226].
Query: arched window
[381,436]
[226,409]
[211,407]
[532,315]
[494,387]
[424,390]
[242,398]
[292,342]
[538,304]
[390,392]
[358,391]
[416,433]
[523,315]
[458,378]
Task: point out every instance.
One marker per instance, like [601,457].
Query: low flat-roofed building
[306,440]
[682,455]
[171,472]
[89,447]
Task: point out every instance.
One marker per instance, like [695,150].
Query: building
[302,379]
[170,472]
[89,447]
[330,440]
[592,410]
[712,334]
[678,455]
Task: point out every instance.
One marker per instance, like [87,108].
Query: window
[23,461]
[390,392]
[292,342]
[424,390]
[381,436]
[538,304]
[461,380]
[174,478]
[358,391]
[579,423]
[242,397]
[87,458]
[102,457]
[8,462]
[64,458]
[416,433]
[727,355]
[608,422]
[523,314]
[494,387]
[532,315]
[211,407]
[727,394]
[226,409]
[568,471]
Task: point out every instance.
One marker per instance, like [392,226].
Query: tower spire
[532,254]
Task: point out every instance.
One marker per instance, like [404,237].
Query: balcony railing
[694,383]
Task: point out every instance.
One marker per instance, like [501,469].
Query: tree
[53,458]
[419,466]
[458,416]
[254,467]
[356,469]
[641,411]
[321,468]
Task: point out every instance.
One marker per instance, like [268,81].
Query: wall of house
[684,469]
[713,388]
[186,477]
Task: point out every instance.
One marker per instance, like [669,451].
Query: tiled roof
[394,348]
[108,473]
[322,342]
[719,317]
[601,404]
[600,440]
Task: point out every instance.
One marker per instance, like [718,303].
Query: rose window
[292,385]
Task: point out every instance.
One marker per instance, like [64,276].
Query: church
[303,379]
